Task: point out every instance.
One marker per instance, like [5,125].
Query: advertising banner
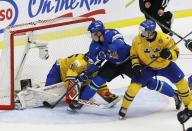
[23,11]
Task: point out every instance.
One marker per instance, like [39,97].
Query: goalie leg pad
[31,98]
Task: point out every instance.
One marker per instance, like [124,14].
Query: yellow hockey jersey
[143,51]
[72,66]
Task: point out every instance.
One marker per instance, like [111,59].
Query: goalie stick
[47,104]
[81,101]
[98,105]
[93,103]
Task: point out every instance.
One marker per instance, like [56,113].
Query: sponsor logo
[37,7]
[8,13]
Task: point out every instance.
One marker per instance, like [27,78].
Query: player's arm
[133,53]
[78,65]
[70,78]
[116,42]
[94,51]
[136,66]
[96,57]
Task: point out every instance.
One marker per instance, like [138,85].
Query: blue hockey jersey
[113,43]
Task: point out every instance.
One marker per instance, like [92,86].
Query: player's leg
[106,94]
[176,76]
[129,96]
[190,82]
[133,89]
[166,89]
[53,76]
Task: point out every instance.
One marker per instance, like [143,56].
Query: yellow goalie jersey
[143,51]
[72,66]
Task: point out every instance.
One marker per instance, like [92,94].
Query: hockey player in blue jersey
[108,45]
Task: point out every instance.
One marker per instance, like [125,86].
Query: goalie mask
[147,29]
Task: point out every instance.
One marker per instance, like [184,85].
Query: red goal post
[8,59]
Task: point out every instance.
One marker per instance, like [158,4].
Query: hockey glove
[137,71]
[189,129]
[165,53]
[188,44]
[184,115]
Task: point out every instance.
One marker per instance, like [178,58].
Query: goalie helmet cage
[22,42]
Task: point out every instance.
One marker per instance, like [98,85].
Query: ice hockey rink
[150,111]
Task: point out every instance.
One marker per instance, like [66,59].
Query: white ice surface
[150,111]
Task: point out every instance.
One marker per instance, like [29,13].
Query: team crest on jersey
[74,65]
[153,56]
[157,49]
[146,50]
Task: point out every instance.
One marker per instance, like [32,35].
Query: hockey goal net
[29,51]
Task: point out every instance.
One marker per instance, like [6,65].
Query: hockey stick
[183,127]
[183,38]
[86,102]
[98,105]
[47,104]
[164,26]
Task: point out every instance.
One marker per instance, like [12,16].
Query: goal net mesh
[29,51]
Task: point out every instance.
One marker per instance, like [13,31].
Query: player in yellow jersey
[146,47]
[67,70]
